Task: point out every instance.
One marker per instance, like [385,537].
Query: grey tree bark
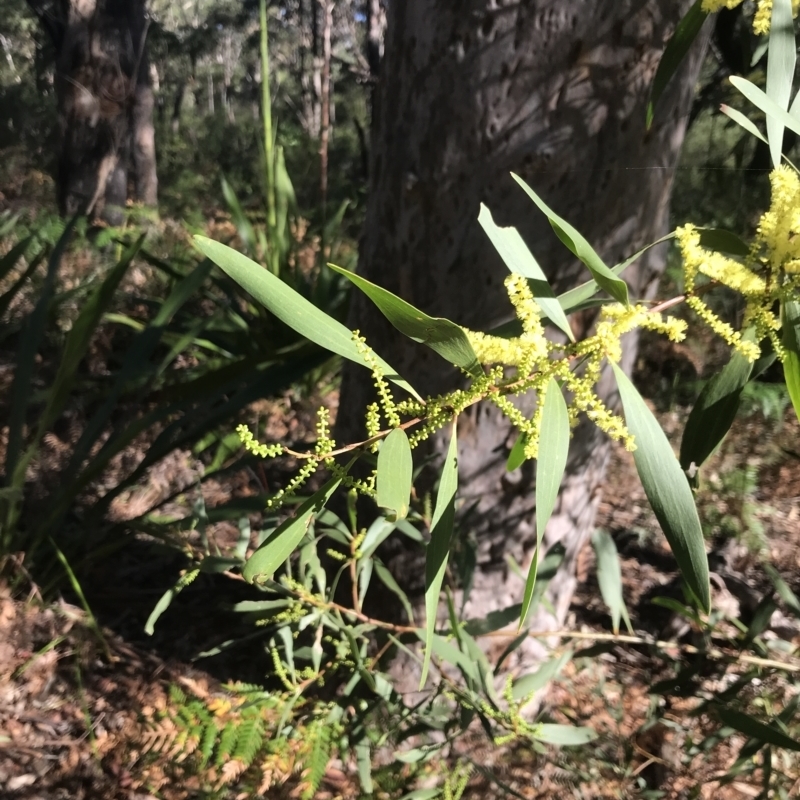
[554,90]
[105,103]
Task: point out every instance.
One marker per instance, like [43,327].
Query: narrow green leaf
[723,241]
[741,119]
[714,411]
[80,336]
[438,548]
[446,651]
[441,335]
[377,533]
[30,340]
[519,259]
[395,467]
[516,458]
[387,579]
[553,452]
[528,685]
[677,47]
[240,220]
[783,589]
[759,99]
[284,539]
[790,317]
[290,307]
[543,574]
[758,730]
[550,465]
[364,765]
[563,735]
[493,621]
[9,260]
[577,245]
[780,71]
[576,298]
[667,490]
[609,578]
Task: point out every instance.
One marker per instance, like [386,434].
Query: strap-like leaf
[290,307]
[553,451]
[714,411]
[395,467]
[609,578]
[80,336]
[667,490]
[441,335]
[439,545]
[284,539]
[519,259]
[780,71]
[31,338]
[681,40]
[563,735]
[723,241]
[550,465]
[741,119]
[759,99]
[758,730]
[530,684]
[579,247]
[790,316]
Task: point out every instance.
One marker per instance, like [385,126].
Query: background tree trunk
[105,103]
[554,90]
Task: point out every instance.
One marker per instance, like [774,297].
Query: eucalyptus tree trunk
[554,90]
[105,103]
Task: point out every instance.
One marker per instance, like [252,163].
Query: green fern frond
[227,742]
[207,742]
[177,695]
[320,736]
[250,737]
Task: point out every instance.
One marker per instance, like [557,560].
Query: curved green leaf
[519,259]
[741,119]
[790,316]
[758,730]
[577,245]
[516,458]
[759,99]
[780,71]
[553,451]
[667,490]
[563,735]
[395,467]
[278,546]
[387,579]
[681,40]
[439,546]
[290,307]
[714,411]
[574,299]
[609,578]
[723,241]
[528,685]
[441,335]
[550,465]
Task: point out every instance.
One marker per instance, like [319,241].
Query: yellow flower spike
[762,18]
[255,447]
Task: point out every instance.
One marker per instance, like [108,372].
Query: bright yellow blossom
[768,276]
[762,17]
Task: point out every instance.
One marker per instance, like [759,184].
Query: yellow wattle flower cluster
[762,17]
[770,274]
[523,351]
